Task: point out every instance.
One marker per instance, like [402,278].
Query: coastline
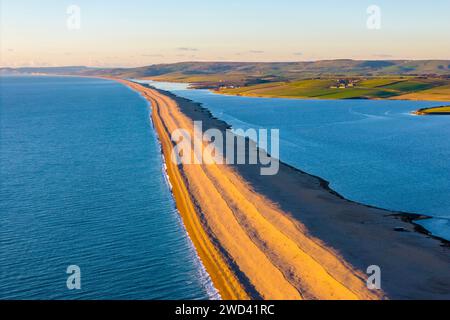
[433,111]
[222,277]
[210,288]
[350,269]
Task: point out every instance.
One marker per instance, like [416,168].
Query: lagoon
[371,151]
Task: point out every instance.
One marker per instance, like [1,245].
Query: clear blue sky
[142,32]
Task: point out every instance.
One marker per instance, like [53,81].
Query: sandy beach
[289,236]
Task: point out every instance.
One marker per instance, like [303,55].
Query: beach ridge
[223,278]
[278,266]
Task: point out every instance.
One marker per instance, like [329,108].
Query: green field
[376,88]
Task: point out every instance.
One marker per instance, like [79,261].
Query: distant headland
[327,79]
[434,111]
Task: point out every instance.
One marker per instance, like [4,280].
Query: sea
[83,185]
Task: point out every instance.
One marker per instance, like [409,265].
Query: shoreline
[432,111]
[222,278]
[211,290]
[352,270]
[221,282]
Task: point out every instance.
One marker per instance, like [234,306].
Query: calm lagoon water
[82,183]
[373,152]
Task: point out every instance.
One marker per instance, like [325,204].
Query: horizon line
[213,61]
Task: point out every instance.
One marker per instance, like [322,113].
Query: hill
[333,79]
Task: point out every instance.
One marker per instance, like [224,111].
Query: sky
[119,33]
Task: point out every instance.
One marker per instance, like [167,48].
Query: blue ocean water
[372,151]
[82,184]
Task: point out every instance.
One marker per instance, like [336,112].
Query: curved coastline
[246,285]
